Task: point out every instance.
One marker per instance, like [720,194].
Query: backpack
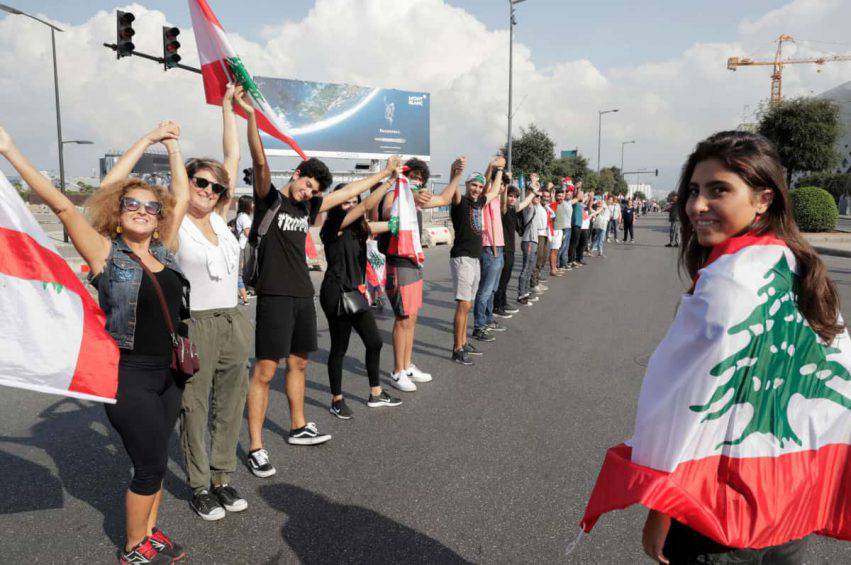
[251,268]
[232,228]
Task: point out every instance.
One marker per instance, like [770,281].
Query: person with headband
[468,222]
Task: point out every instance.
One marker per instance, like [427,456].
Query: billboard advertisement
[347,121]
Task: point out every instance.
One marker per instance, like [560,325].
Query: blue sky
[610,33]
[661,62]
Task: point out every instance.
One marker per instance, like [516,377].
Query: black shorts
[285,324]
[684,546]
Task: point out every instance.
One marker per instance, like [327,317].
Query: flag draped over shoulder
[405,230]
[53,336]
[743,429]
[375,263]
[220,65]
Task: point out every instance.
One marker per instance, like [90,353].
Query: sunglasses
[204,183]
[152,207]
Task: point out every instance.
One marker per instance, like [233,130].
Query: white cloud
[418,45]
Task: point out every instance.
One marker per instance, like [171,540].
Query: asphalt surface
[491,463]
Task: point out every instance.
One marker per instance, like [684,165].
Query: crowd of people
[557,226]
[167,266]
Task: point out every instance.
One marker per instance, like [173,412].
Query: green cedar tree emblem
[241,76]
[57,287]
[783,357]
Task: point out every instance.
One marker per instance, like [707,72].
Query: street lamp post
[53,30]
[511,23]
[600,131]
[62,169]
[624,144]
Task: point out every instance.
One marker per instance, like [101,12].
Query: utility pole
[511,23]
[600,131]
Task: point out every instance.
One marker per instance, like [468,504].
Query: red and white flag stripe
[218,60]
[743,428]
[406,241]
[54,339]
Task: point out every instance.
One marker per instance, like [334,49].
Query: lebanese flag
[221,65]
[375,262]
[54,339]
[405,230]
[743,430]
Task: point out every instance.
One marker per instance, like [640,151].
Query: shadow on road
[89,458]
[318,530]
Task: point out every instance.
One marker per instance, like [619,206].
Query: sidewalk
[837,244]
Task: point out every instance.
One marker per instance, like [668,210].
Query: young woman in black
[344,236]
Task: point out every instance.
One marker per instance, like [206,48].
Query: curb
[832,251]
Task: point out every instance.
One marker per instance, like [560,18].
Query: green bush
[814,209]
[836,184]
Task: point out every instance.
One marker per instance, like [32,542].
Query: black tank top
[151,336]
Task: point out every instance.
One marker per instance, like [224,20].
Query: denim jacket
[118,289]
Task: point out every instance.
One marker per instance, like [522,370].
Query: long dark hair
[755,159]
[245,204]
[360,229]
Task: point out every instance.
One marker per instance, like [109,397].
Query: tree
[639,195]
[610,180]
[532,152]
[782,358]
[805,131]
[573,167]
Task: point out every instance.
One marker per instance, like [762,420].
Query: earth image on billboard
[343,120]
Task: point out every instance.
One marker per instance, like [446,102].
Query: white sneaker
[402,381]
[416,375]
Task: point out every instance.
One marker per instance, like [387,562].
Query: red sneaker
[166,546]
[144,552]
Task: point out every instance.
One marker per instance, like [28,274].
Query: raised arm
[530,195]
[495,180]
[230,143]
[451,191]
[259,163]
[373,199]
[124,166]
[352,189]
[179,187]
[92,246]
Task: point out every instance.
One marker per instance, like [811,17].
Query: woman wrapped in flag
[131,224]
[742,442]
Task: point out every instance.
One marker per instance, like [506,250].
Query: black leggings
[340,328]
[627,230]
[580,248]
[574,243]
[500,299]
[144,415]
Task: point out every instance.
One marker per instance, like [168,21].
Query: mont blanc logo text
[289,223]
[416,100]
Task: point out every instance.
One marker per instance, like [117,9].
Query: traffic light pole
[159,60]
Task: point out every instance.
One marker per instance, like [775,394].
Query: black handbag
[351,303]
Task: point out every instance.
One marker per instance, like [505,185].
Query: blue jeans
[599,239]
[530,255]
[612,230]
[563,250]
[491,270]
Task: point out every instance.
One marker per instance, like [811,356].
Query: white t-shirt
[211,269]
[243,222]
[601,220]
[614,211]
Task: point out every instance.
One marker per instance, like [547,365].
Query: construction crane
[778,63]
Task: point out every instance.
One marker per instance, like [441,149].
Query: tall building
[842,96]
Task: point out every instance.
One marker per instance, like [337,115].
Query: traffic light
[124,34]
[248,176]
[657,172]
[170,47]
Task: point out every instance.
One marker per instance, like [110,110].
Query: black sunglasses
[204,183]
[152,207]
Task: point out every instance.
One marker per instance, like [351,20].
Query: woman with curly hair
[208,253]
[131,224]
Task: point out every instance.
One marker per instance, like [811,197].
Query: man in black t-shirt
[511,227]
[468,222]
[286,315]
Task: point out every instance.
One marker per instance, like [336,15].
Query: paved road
[485,464]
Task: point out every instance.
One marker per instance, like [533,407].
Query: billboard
[347,121]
